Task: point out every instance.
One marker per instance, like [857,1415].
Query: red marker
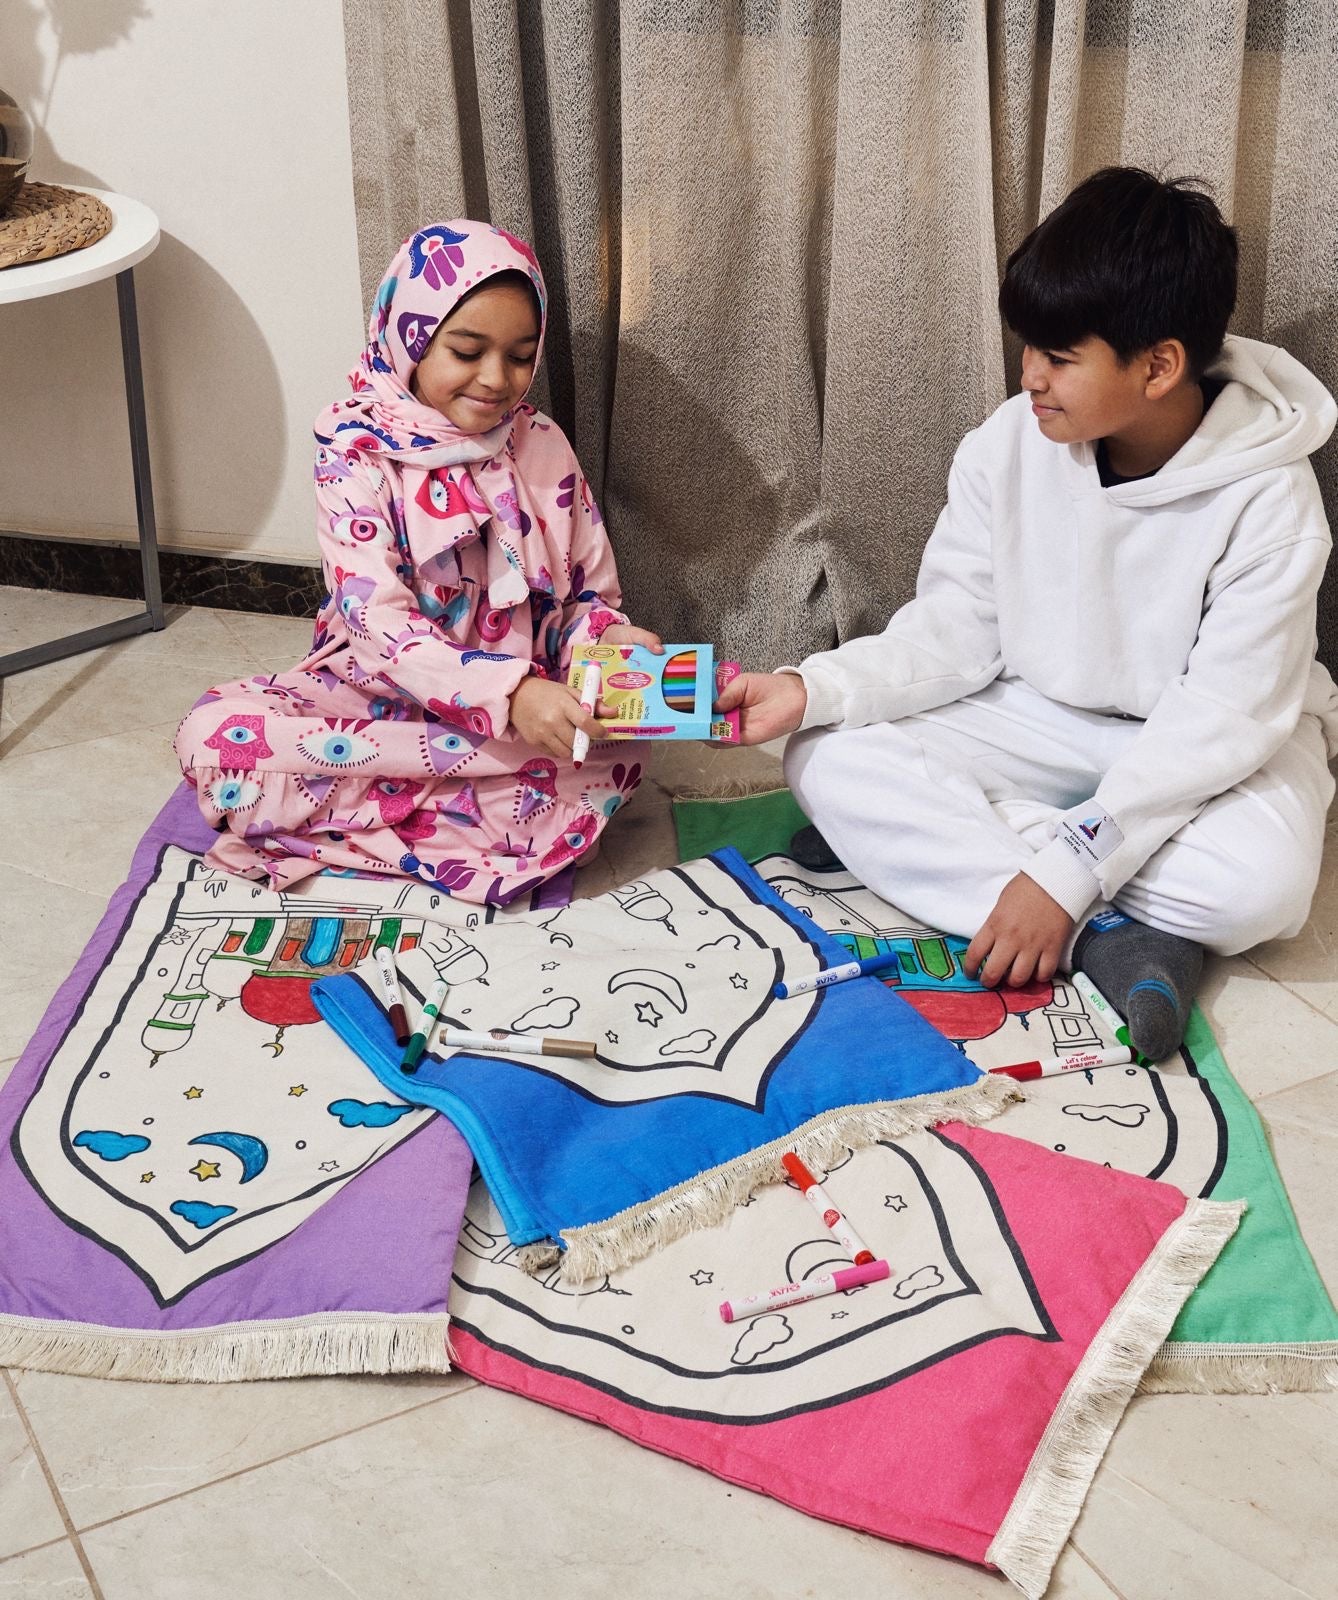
[1072,1061]
[833,1218]
[390,988]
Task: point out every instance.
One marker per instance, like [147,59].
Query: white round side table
[132,236]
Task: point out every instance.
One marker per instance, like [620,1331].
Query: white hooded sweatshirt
[1185,600]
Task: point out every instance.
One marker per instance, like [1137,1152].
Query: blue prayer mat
[701,1076]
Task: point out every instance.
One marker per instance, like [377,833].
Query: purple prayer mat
[200,1180]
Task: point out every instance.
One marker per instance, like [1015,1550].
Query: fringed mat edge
[295,1347]
[1060,1474]
[704,1201]
[1181,1367]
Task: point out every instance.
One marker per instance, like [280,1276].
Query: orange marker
[833,1218]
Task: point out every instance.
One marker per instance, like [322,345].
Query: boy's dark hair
[1130,258]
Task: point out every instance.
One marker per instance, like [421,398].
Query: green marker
[1099,1006]
[427,1020]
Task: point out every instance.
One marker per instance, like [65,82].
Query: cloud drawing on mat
[109,1145]
[691,1044]
[761,1335]
[918,1282]
[554,1013]
[1121,1116]
[365,1113]
[200,1214]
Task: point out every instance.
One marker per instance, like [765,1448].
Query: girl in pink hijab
[429,730]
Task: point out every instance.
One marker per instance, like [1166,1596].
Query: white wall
[228,118]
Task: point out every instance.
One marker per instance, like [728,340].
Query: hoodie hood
[1272,412]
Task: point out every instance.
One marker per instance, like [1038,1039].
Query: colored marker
[1095,1001]
[848,969]
[833,1218]
[794,1294]
[590,682]
[1071,1061]
[390,989]
[431,1010]
[497,1041]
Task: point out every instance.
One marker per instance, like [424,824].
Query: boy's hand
[547,715]
[769,704]
[1023,937]
[625,633]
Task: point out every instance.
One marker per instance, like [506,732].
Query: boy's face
[481,359]
[1084,392]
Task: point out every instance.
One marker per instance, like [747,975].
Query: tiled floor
[408,1487]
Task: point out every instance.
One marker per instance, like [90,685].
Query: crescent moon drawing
[250,1151]
[647,978]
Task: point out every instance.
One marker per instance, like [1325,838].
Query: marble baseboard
[271,587]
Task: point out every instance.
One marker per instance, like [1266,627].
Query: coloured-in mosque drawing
[1162,1123]
[267,963]
[166,1126]
[929,974]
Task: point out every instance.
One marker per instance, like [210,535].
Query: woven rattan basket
[46,220]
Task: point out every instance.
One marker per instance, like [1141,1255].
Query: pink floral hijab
[464,485]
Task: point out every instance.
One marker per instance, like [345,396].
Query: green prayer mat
[1261,1321]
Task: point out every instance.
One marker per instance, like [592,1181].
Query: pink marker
[833,1219]
[794,1294]
[1071,1061]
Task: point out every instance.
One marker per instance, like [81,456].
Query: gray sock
[1149,977]
[811,850]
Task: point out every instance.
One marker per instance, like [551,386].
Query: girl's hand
[1023,937]
[547,715]
[770,704]
[625,633]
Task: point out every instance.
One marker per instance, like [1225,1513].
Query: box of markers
[645,696]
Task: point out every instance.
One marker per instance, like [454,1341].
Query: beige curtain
[773,231]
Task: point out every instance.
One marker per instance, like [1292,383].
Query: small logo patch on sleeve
[1092,835]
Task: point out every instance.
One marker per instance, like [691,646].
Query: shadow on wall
[212,389]
[77,27]
[214,398]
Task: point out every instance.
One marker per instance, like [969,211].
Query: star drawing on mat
[298,1090]
[837,1315]
[146,1177]
[206,1169]
[738,981]
[646,1012]
[611,1036]
[894,1202]
[701,1276]
[193,1093]
[548,966]
[328,1166]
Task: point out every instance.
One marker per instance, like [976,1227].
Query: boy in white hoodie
[1097,736]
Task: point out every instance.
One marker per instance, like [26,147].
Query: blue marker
[848,969]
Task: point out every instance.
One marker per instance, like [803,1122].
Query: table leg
[151,618]
[139,446]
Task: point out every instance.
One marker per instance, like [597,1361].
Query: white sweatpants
[938,812]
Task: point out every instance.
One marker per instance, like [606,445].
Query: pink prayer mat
[963,1405]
